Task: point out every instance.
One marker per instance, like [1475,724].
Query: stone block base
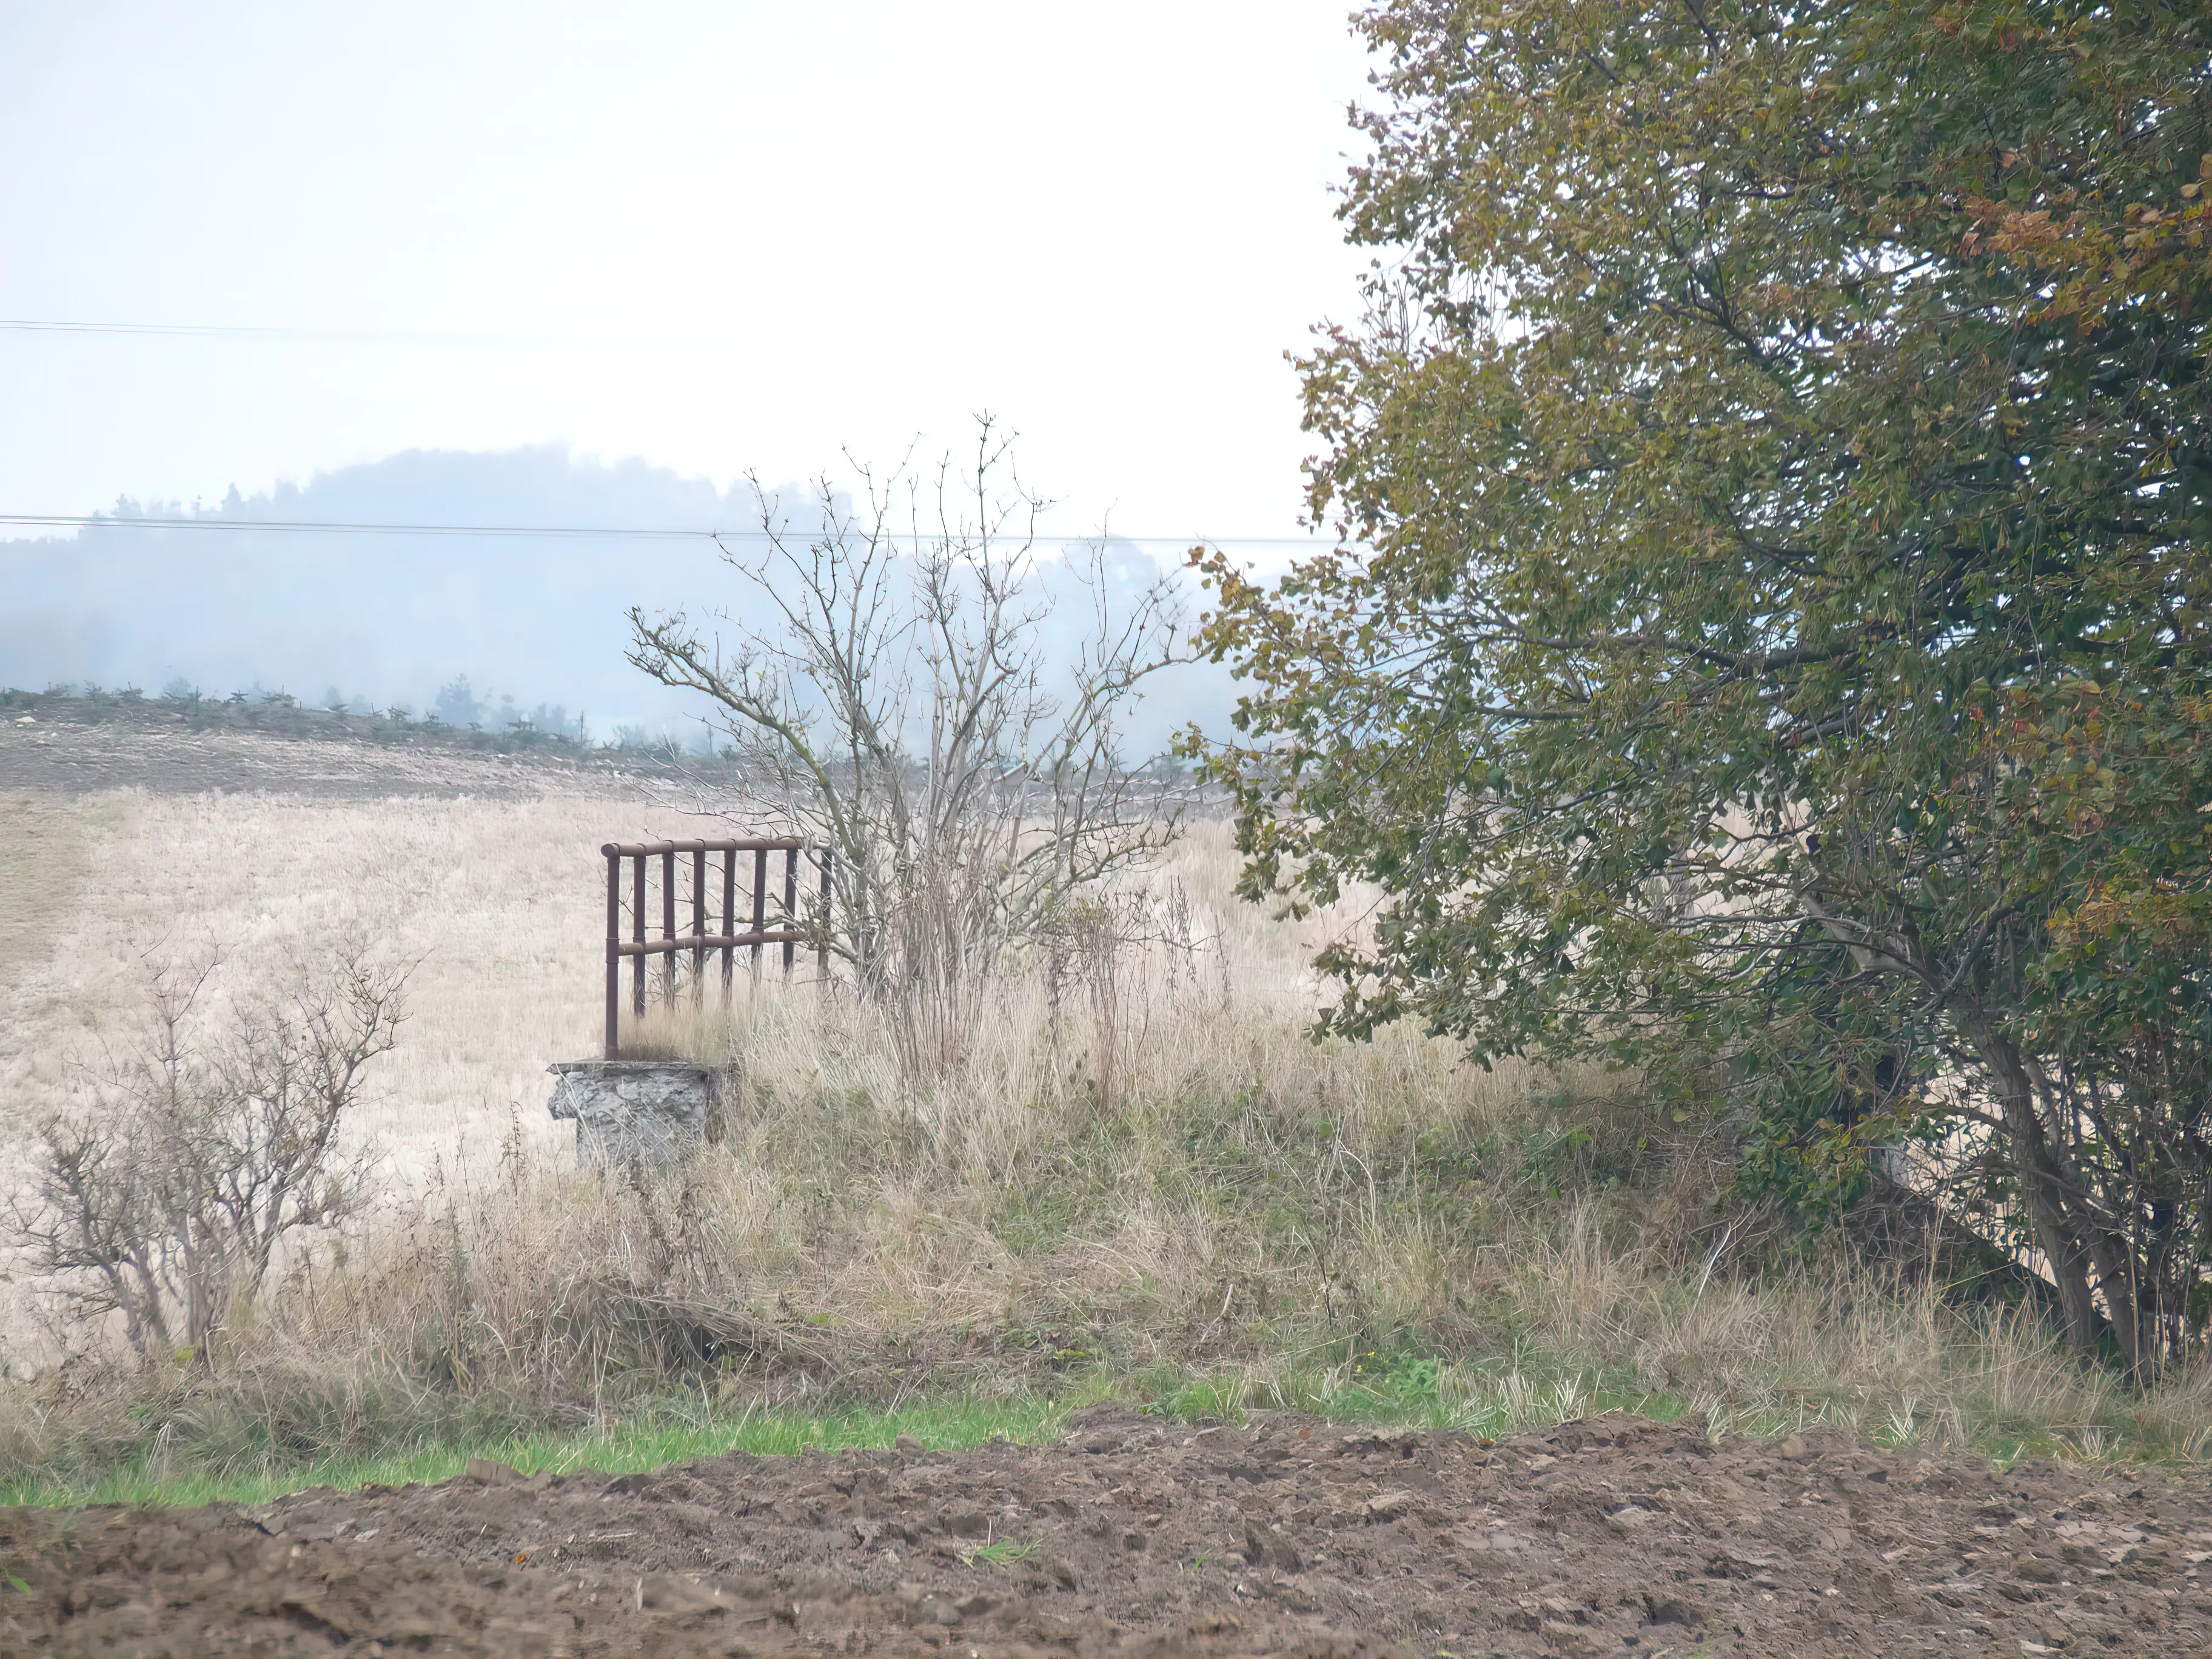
[652,1111]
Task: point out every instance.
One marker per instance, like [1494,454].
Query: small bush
[165,1201]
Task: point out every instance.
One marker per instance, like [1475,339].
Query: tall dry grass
[1143,1173]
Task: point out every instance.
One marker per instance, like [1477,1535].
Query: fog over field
[386,619]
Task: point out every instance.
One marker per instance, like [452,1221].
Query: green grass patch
[1353,1387]
[647,1441]
[1004,1553]
[1362,1388]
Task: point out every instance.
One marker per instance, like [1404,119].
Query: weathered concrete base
[650,1111]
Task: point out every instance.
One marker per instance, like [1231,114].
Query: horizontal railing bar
[633,849]
[655,947]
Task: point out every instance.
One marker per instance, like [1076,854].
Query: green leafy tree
[1769,644]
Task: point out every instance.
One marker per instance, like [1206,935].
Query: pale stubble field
[494,900]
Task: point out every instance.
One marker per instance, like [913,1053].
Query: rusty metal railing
[671,946]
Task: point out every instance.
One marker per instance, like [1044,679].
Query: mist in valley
[479,630]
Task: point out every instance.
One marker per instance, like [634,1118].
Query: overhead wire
[56,325]
[124,521]
[318,526]
[375,336]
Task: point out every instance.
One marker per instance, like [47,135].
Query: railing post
[760,903]
[698,923]
[822,940]
[637,935]
[614,945]
[790,905]
[729,917]
[668,925]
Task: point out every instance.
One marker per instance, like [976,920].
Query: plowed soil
[1142,1537]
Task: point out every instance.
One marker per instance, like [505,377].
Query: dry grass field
[1161,1187]
[494,894]
[496,900]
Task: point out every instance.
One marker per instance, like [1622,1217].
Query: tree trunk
[2118,1279]
[2042,1183]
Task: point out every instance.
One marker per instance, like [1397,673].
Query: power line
[474,340]
[54,325]
[315,527]
[356,336]
[462,339]
[104,521]
[65,521]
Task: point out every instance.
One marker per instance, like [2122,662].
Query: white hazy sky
[721,237]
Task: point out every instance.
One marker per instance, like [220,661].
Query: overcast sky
[716,236]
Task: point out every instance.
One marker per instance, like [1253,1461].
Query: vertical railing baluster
[790,905]
[614,945]
[637,937]
[668,927]
[760,904]
[698,923]
[729,918]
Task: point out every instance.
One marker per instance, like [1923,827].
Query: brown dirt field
[57,758]
[1138,1536]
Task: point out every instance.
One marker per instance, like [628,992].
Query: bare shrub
[903,708]
[165,1201]
[1116,954]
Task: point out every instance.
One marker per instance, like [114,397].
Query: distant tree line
[458,708]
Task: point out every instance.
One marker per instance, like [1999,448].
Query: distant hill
[389,619]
